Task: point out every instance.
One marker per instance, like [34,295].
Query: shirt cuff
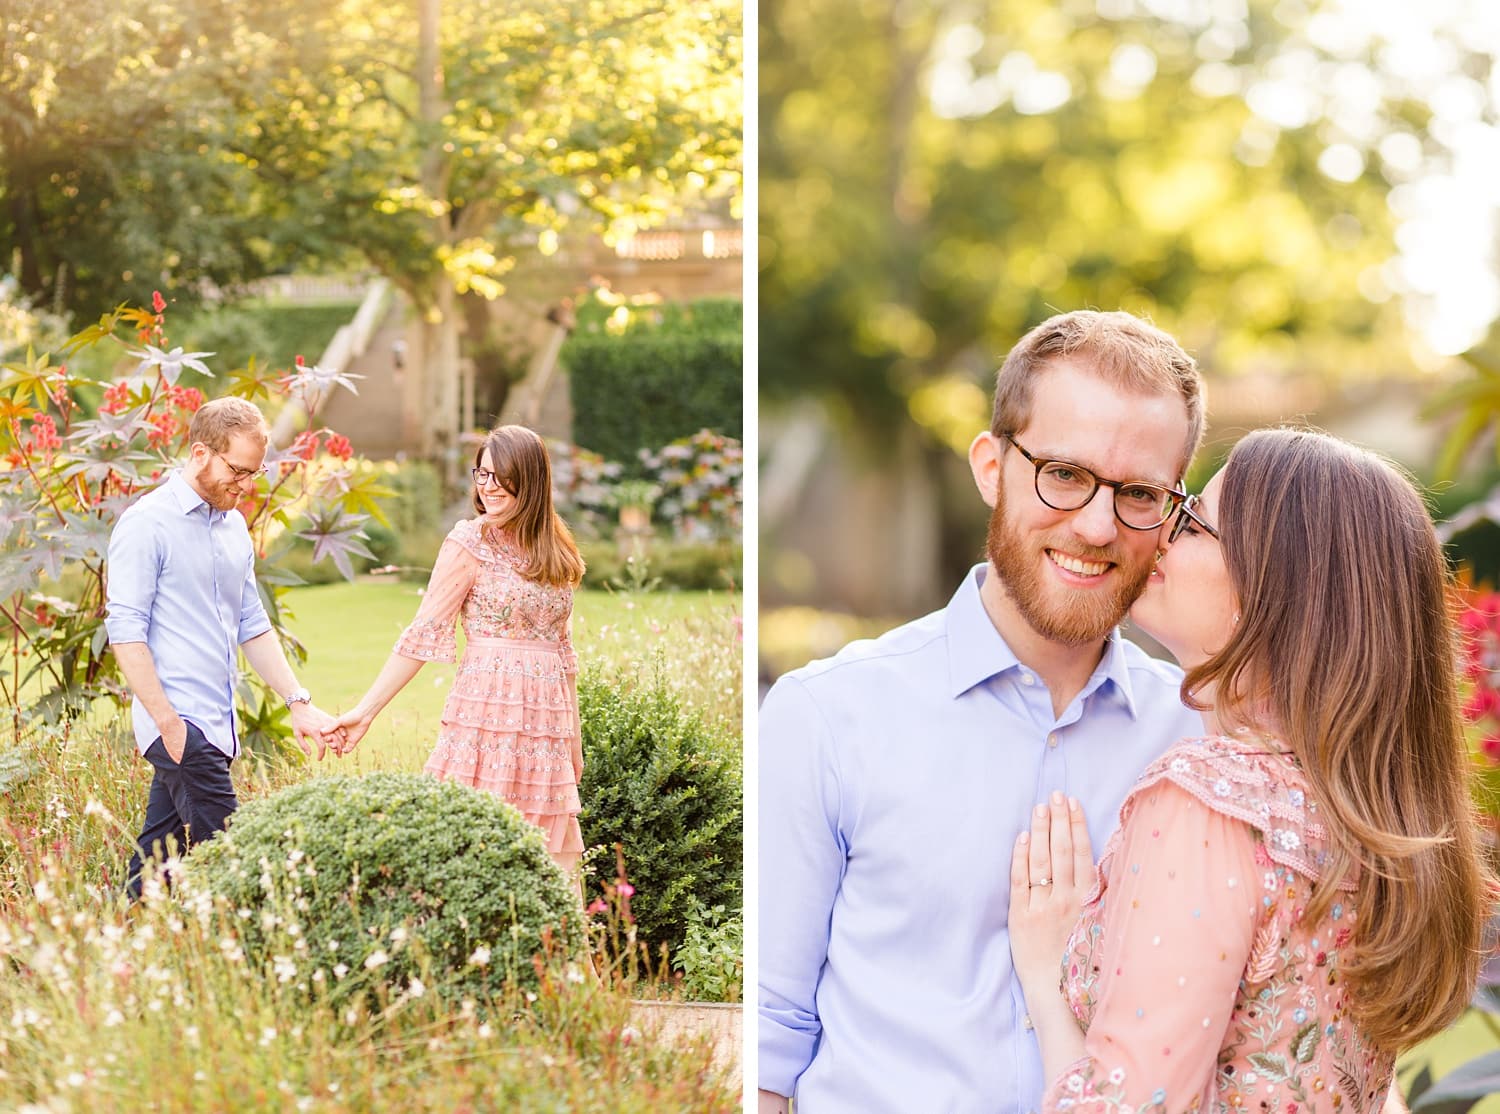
[126,629]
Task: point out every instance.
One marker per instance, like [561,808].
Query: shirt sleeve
[1178,922]
[430,637]
[253,618]
[801,863]
[134,568]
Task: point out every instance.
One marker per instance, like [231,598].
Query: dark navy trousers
[190,801]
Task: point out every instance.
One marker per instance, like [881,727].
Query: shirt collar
[977,652]
[184,496]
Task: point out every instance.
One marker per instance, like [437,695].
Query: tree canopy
[936,178]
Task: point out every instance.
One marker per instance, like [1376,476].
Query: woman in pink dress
[1296,898]
[510,724]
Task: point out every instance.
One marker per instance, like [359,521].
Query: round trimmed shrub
[667,787]
[389,877]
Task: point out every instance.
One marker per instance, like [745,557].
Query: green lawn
[349,629]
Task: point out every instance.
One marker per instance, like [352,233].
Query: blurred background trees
[195,146]
[1303,193]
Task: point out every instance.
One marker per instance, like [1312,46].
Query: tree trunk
[440,328]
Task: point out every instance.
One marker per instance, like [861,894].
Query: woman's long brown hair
[1346,640]
[519,459]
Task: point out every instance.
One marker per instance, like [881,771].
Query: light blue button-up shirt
[894,779]
[182,580]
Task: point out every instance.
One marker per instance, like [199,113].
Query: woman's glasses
[1187,518]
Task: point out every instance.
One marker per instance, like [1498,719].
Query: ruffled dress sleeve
[1178,920]
[430,636]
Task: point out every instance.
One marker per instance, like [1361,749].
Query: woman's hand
[346,731]
[1051,871]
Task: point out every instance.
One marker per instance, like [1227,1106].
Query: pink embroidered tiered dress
[510,724]
[1199,981]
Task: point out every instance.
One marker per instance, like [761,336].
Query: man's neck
[193,477]
[1063,667]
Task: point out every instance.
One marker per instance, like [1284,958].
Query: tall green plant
[68,469]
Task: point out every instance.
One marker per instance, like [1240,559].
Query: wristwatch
[297,696]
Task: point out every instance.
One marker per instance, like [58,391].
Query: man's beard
[1082,616]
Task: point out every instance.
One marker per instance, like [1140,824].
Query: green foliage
[667,788]
[657,382]
[71,469]
[682,565]
[274,334]
[400,873]
[712,958]
[918,215]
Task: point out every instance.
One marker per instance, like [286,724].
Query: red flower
[305,444]
[158,303]
[43,617]
[163,430]
[116,398]
[338,445]
[186,398]
[1489,746]
[301,362]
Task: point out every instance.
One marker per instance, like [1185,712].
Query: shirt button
[1027,678]
[1052,739]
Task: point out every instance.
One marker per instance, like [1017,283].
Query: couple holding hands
[1291,893]
[183,602]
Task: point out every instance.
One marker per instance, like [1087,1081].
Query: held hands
[310,724]
[345,732]
[1051,871]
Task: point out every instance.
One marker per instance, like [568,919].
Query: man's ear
[984,461]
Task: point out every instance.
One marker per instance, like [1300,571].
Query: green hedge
[657,383]
[666,787]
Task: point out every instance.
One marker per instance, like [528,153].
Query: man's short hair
[1120,348]
[216,423]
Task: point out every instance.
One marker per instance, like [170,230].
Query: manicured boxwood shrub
[666,787]
[658,381]
[390,876]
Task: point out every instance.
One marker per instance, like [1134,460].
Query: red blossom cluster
[116,398]
[164,429]
[185,398]
[1479,624]
[305,445]
[43,438]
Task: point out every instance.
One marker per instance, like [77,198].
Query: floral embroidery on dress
[1244,1008]
[497,599]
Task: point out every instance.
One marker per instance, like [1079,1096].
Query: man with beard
[896,775]
[182,603]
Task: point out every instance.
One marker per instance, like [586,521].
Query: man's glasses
[1068,487]
[1187,519]
[241,473]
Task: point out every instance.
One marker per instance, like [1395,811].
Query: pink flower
[626,889]
[597,906]
[158,303]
